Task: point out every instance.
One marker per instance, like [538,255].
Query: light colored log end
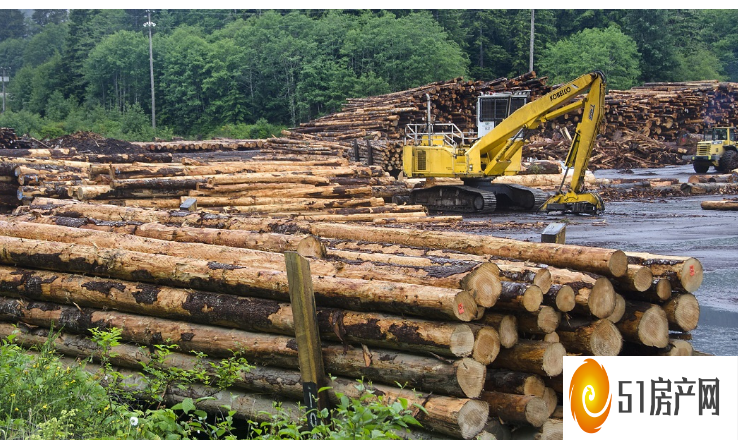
[311,247]
[536,411]
[683,312]
[619,311]
[565,299]
[462,340]
[553,359]
[680,348]
[486,345]
[543,279]
[641,277]
[483,282]
[691,275]
[465,308]
[472,418]
[601,300]
[653,329]
[618,264]
[606,339]
[548,319]
[508,331]
[470,376]
[532,298]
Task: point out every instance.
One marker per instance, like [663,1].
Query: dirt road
[673,226]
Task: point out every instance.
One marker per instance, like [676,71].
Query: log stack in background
[324,189]
[477,325]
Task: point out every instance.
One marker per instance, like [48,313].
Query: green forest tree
[608,50]
[216,71]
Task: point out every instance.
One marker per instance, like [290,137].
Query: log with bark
[464,378]
[684,273]
[241,280]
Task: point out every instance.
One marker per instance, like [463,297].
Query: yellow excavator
[432,153]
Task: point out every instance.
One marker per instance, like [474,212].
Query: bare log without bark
[722,205]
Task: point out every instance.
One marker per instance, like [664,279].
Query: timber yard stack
[476,325]
[381,120]
[327,189]
[662,111]
[627,150]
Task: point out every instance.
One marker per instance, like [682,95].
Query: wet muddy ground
[668,226]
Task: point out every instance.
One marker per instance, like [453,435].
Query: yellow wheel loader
[718,149]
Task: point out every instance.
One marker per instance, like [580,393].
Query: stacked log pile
[7,138]
[629,149]
[287,147]
[477,325]
[662,110]
[326,189]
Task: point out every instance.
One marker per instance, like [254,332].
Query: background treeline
[247,73]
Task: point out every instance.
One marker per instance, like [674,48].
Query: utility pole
[149,24]
[3,80]
[532,37]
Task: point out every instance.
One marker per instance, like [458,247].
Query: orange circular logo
[591,383]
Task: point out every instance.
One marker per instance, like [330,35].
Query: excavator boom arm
[500,143]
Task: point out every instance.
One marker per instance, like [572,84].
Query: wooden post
[554,233]
[190,204]
[370,153]
[356,150]
[306,333]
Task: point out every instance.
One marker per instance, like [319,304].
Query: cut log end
[619,311]
[311,247]
[682,312]
[508,331]
[536,412]
[565,299]
[470,376]
[472,417]
[486,345]
[653,329]
[691,275]
[601,300]
[483,283]
[680,348]
[543,279]
[662,289]
[548,319]
[553,359]
[532,298]
[606,339]
[466,308]
[640,277]
[462,341]
[618,264]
